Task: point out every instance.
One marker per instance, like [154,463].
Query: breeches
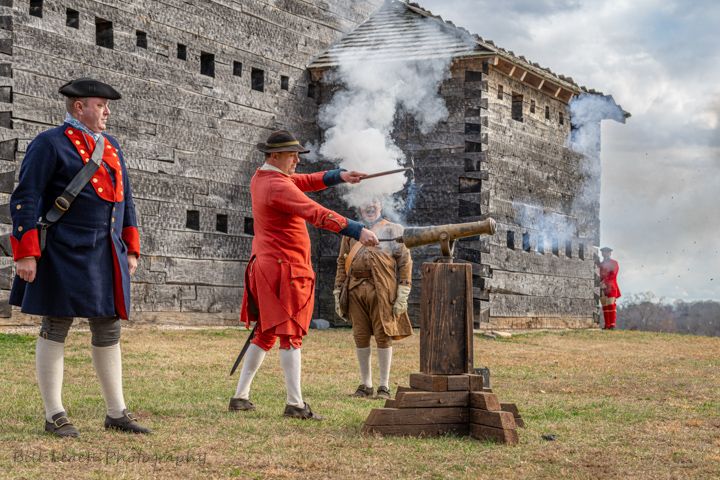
[362,312]
[607,300]
[105,330]
[288,339]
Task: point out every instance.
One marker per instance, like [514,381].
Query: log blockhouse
[502,152]
[203,81]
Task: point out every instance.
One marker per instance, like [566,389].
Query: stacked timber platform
[446,404]
[446,397]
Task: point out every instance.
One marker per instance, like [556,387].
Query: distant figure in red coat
[609,290]
[279,279]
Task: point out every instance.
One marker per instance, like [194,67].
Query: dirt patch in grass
[621,405]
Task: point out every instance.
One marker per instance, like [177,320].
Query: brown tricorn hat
[281,141]
[89,87]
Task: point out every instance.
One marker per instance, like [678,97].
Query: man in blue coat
[81,265]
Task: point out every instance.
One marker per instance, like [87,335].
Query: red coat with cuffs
[279,279]
[608,276]
[83,271]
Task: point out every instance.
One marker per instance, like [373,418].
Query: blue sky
[660,59]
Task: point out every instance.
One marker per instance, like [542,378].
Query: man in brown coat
[372,286]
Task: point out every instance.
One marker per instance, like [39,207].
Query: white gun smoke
[360,117]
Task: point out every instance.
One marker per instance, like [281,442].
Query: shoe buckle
[130,417]
[61,422]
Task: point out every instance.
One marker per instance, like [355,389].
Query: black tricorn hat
[281,141]
[88,87]
[606,249]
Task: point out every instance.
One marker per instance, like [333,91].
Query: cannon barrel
[418,236]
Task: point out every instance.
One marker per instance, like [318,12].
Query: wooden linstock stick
[388,172]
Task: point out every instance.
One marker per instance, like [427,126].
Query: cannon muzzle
[445,235]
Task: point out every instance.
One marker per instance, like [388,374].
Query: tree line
[645,311]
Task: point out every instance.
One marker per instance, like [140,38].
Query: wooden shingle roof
[401,30]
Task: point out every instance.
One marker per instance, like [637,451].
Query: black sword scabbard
[244,350]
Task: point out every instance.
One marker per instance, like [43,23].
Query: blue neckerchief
[79,125]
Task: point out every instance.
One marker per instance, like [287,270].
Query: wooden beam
[557,93]
[429,383]
[524,74]
[481,432]
[429,416]
[484,417]
[435,430]
[512,70]
[485,401]
[542,82]
[433,399]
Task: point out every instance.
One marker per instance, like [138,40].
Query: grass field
[622,405]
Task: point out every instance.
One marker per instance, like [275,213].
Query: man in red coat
[609,290]
[279,279]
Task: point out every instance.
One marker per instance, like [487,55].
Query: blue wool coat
[83,271]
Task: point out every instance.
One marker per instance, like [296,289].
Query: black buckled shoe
[363,392]
[126,423]
[383,393]
[304,413]
[61,426]
[240,405]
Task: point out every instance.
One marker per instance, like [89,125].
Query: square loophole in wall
[517,107]
[207,64]
[181,51]
[104,33]
[140,39]
[193,220]
[526,242]
[221,223]
[257,79]
[36,8]
[72,18]
[249,228]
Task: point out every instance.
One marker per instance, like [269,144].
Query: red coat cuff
[131,237]
[27,246]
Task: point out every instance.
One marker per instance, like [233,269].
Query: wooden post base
[437,405]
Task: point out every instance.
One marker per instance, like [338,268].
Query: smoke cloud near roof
[359,119]
[587,111]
